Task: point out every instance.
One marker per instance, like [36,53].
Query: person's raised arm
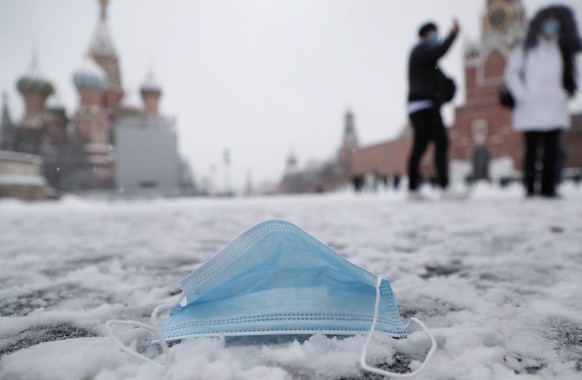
[433,54]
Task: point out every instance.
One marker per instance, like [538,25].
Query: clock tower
[481,124]
[503,22]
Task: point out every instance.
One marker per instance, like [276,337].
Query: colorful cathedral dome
[54,104]
[90,76]
[34,82]
[150,85]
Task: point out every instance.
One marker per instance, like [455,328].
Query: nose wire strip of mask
[153,328]
[364,354]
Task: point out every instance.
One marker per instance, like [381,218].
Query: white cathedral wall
[147,159]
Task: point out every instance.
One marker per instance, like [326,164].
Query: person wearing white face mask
[429,89]
[541,76]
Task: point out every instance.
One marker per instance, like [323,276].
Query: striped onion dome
[90,76]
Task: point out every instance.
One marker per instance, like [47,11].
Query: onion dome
[54,104]
[150,85]
[34,82]
[291,163]
[90,76]
[291,159]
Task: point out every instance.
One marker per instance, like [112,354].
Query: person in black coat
[429,89]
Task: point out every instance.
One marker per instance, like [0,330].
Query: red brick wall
[373,159]
[390,157]
[110,65]
[494,65]
[91,97]
[93,126]
[482,104]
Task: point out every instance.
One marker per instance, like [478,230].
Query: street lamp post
[226,172]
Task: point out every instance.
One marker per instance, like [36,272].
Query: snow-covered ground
[497,278]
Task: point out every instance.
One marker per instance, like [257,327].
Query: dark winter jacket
[425,79]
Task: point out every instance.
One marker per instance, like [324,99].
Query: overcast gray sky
[259,77]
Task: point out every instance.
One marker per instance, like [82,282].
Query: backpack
[446,87]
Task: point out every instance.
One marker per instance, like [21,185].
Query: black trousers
[549,143]
[428,127]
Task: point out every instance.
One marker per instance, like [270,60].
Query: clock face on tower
[499,16]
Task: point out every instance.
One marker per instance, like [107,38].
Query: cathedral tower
[349,145]
[350,138]
[98,81]
[91,120]
[151,93]
[35,89]
[102,50]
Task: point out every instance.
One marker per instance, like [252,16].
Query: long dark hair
[569,41]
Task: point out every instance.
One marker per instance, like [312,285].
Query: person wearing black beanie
[429,89]
[425,28]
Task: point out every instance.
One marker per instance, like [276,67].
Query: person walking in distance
[429,89]
[541,77]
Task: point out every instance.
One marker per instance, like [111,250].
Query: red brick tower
[482,121]
[98,82]
[92,119]
[102,51]
[35,89]
[349,146]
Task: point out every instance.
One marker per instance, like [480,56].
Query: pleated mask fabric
[276,279]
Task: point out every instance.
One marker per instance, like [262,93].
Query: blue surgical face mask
[551,27]
[275,279]
[432,39]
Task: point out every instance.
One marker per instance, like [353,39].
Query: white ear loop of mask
[364,354]
[153,327]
